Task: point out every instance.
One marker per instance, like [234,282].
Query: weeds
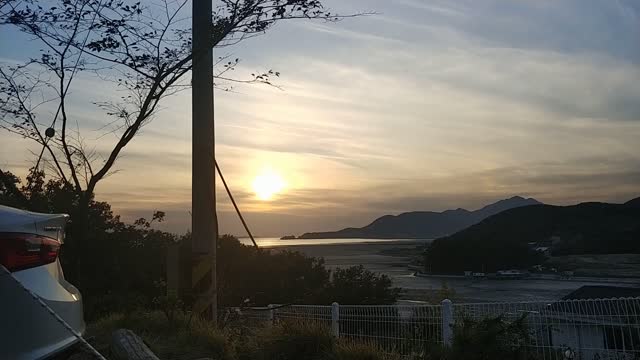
[183,337]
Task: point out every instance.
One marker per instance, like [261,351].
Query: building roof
[601,302]
[603,292]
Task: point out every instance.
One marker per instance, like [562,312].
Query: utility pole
[204,222]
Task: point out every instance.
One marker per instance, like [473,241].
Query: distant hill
[633,202]
[423,224]
[508,239]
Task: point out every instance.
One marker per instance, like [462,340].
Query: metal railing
[574,329]
[565,329]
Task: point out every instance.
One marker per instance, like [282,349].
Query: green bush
[186,338]
[356,285]
[288,341]
[294,340]
[490,338]
[118,266]
[486,339]
[189,338]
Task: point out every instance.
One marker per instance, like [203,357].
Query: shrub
[186,339]
[248,276]
[288,341]
[490,338]
[117,266]
[356,285]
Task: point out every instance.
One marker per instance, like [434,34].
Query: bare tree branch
[145,50]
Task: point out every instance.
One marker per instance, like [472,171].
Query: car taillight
[20,251]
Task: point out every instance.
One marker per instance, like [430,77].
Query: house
[594,329]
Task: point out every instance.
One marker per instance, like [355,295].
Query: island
[288,237]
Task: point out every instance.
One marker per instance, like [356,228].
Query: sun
[267,184]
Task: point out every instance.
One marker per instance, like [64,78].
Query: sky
[426,105]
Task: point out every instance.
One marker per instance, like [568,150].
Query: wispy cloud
[427,106]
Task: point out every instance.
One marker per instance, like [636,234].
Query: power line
[233,201]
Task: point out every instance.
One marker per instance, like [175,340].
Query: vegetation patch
[186,338]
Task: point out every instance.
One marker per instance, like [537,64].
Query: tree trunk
[77,254]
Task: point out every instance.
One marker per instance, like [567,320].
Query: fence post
[272,317]
[447,322]
[335,318]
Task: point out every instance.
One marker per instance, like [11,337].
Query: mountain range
[423,224]
[506,240]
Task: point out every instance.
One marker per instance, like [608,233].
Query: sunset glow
[267,184]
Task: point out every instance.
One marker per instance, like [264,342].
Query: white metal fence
[574,329]
[566,329]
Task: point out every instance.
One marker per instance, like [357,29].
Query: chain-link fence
[565,329]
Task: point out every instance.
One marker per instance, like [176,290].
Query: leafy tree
[124,263]
[250,276]
[125,267]
[247,275]
[357,285]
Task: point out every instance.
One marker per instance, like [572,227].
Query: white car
[29,248]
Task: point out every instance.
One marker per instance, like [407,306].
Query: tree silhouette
[126,266]
[143,49]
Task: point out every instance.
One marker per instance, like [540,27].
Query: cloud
[427,106]
[572,86]
[554,182]
[573,26]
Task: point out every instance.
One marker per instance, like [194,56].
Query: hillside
[633,202]
[423,224]
[502,241]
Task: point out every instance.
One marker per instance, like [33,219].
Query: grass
[288,341]
[192,338]
[185,339]
[188,338]
[355,351]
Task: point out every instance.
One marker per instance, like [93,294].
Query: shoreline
[392,258]
[619,280]
[385,242]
